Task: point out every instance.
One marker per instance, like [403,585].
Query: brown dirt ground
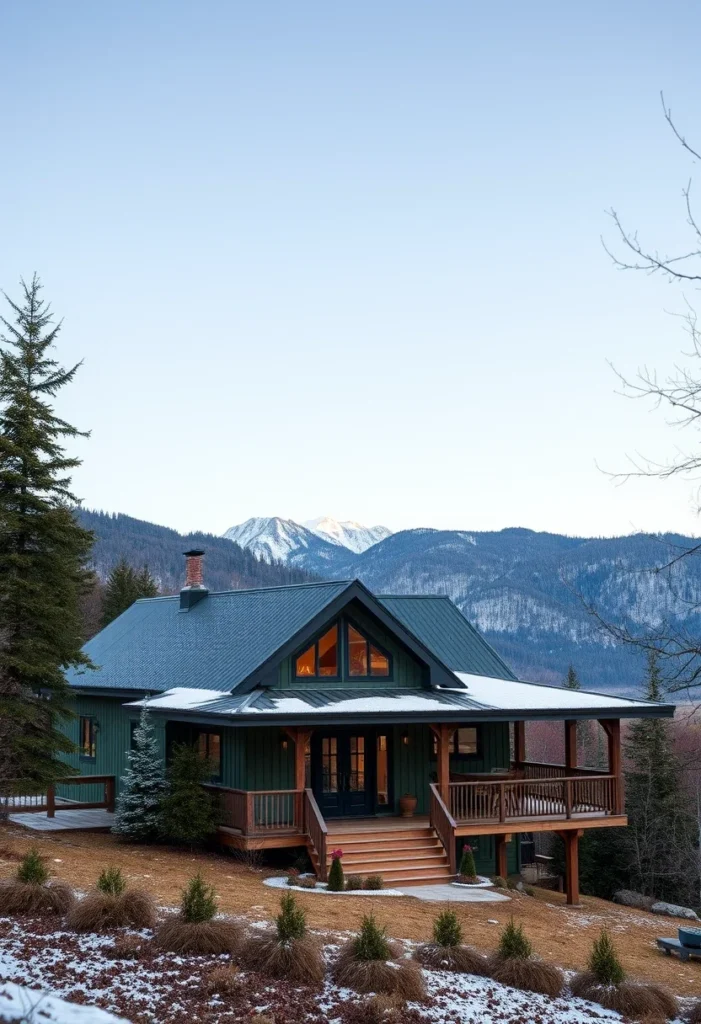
[558,933]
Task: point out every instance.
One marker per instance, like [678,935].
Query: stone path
[453,894]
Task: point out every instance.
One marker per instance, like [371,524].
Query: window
[87,738]
[209,748]
[364,659]
[320,659]
[464,742]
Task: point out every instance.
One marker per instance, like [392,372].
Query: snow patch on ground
[32,1006]
[321,889]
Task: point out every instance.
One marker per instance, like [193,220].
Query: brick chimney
[194,589]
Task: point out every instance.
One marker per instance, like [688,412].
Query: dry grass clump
[31,892]
[605,983]
[193,930]
[637,1002]
[370,963]
[289,952]
[128,947]
[513,964]
[382,1009]
[99,911]
[223,981]
[446,952]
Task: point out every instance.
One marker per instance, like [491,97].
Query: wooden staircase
[404,854]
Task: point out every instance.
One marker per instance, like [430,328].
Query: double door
[344,769]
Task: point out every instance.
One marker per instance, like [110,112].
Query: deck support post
[50,800]
[300,737]
[570,746]
[519,745]
[612,728]
[571,838]
[502,865]
[444,735]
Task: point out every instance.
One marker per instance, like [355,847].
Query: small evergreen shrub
[291,921]
[111,882]
[371,942]
[198,901]
[467,863]
[529,890]
[354,882]
[308,882]
[32,870]
[374,882]
[498,882]
[604,962]
[336,880]
[513,944]
[447,931]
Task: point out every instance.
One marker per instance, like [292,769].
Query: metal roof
[440,624]
[154,646]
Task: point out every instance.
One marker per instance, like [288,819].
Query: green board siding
[269,765]
[112,742]
[407,672]
[485,854]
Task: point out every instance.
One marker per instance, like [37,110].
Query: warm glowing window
[209,748]
[364,659]
[88,739]
[464,742]
[320,659]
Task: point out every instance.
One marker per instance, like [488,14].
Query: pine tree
[187,813]
[123,587]
[138,816]
[662,831]
[572,680]
[43,550]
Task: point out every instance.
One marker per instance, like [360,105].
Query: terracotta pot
[407,805]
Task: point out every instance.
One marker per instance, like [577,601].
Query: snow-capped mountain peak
[279,540]
[348,534]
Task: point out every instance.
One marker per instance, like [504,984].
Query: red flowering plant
[336,882]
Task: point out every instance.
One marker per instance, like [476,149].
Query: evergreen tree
[572,680]
[123,587]
[663,831]
[187,812]
[43,550]
[138,816]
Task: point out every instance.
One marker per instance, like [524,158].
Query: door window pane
[306,662]
[356,782]
[379,662]
[382,771]
[357,653]
[328,653]
[329,764]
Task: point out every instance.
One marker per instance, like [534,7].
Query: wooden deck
[64,820]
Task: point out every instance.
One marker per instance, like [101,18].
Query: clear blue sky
[345,259]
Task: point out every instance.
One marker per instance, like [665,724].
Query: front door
[343,772]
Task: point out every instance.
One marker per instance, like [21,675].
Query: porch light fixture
[283,742]
[405,737]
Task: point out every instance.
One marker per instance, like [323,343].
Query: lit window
[464,742]
[87,739]
[320,658]
[364,659]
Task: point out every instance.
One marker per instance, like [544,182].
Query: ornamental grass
[194,929]
[31,892]
[446,951]
[101,911]
[381,1009]
[288,953]
[371,962]
[224,980]
[514,964]
[605,983]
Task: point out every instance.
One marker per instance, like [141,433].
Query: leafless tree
[679,394]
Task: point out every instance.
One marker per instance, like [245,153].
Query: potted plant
[407,805]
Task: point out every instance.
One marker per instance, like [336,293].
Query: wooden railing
[444,825]
[315,828]
[543,770]
[259,812]
[564,797]
[20,802]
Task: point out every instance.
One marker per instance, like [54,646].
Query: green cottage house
[334,717]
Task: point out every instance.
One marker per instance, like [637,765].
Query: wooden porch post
[444,734]
[612,728]
[571,840]
[519,745]
[570,746]
[109,793]
[501,855]
[50,800]
[300,737]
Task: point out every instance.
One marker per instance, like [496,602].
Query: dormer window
[320,660]
[343,644]
[364,659]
